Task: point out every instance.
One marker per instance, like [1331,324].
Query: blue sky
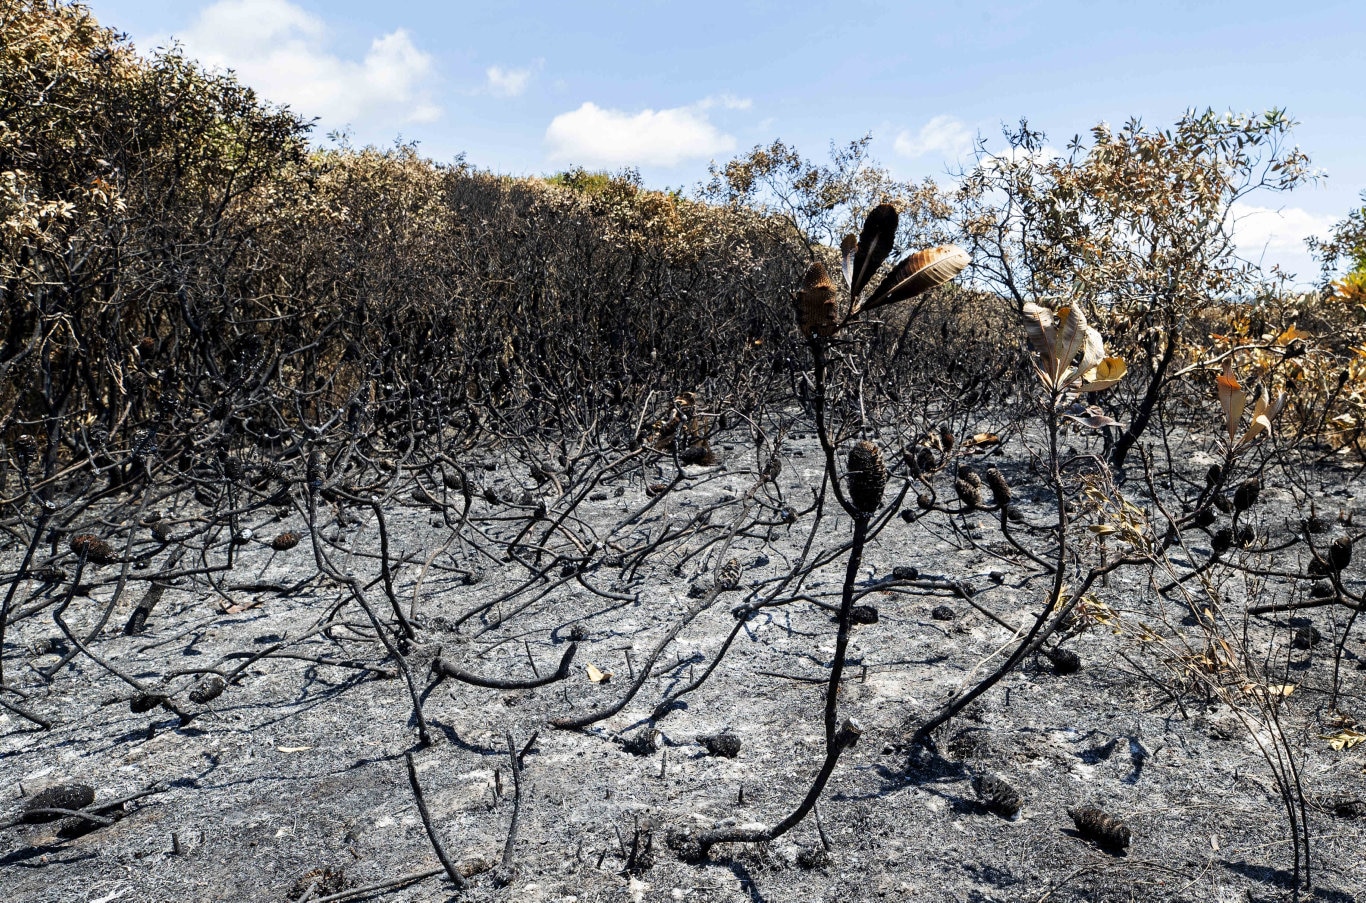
[533,87]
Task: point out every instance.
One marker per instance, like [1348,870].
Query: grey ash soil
[299,767]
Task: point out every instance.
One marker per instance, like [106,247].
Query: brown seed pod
[698,453]
[866,477]
[644,743]
[1000,489]
[968,474]
[919,460]
[1223,504]
[863,614]
[208,689]
[996,795]
[919,273]
[1212,475]
[94,549]
[1340,553]
[813,858]
[968,494]
[817,312]
[285,541]
[946,439]
[1065,661]
[1223,540]
[59,796]
[925,501]
[1245,496]
[724,745]
[729,577]
[942,613]
[49,574]
[1104,830]
[145,702]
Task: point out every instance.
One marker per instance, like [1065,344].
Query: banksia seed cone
[945,439]
[729,578]
[145,702]
[1223,540]
[968,494]
[925,501]
[209,689]
[724,745]
[1212,475]
[1340,553]
[867,477]
[95,550]
[1065,661]
[1000,489]
[62,796]
[285,541]
[816,310]
[1095,825]
[1245,496]
[996,795]
[968,474]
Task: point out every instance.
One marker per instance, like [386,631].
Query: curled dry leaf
[1091,416]
[919,273]
[597,675]
[873,246]
[1070,352]
[1345,739]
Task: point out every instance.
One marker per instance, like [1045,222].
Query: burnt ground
[293,782]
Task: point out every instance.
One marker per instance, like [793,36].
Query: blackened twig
[451,871]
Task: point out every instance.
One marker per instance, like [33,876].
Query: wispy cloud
[284,52]
[595,136]
[1275,235]
[942,136]
[502,82]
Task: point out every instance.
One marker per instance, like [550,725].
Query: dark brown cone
[816,310]
[61,796]
[1000,489]
[968,494]
[867,477]
[1340,553]
[729,578]
[95,550]
[285,541]
[1245,496]
[209,689]
[1095,825]
[996,795]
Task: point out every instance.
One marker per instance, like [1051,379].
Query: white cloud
[725,102]
[1270,235]
[594,136]
[506,82]
[944,136]
[283,52]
